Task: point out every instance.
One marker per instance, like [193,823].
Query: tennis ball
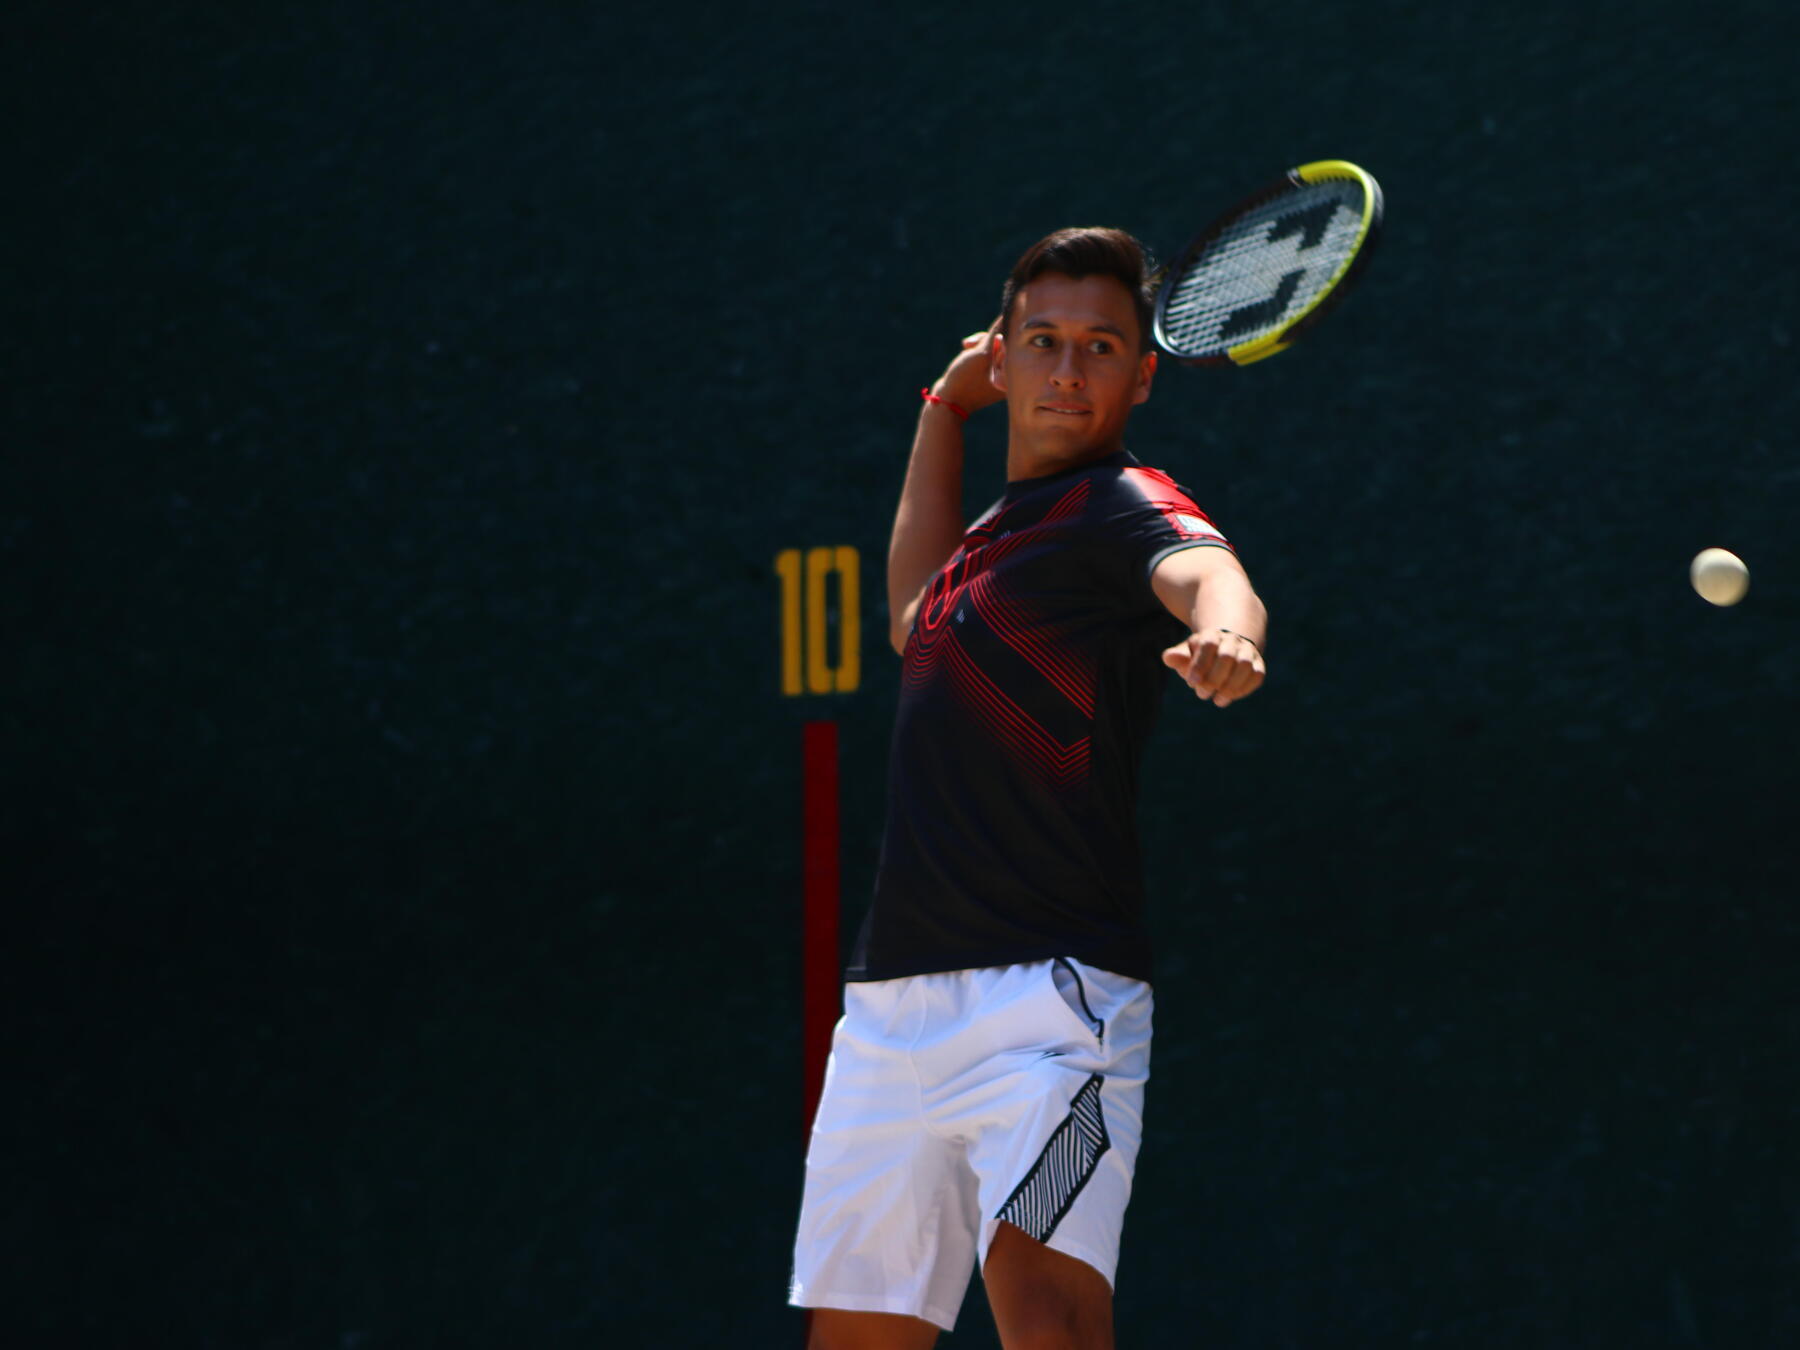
[1719,576]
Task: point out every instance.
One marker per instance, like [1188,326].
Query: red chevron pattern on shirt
[1031,679]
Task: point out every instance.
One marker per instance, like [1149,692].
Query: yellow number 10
[808,603]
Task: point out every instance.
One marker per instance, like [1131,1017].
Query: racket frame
[1334,290]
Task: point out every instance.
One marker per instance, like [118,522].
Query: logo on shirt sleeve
[1195,527]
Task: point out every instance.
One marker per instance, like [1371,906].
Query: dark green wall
[404,408]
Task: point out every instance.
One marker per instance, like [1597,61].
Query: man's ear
[1146,373]
[997,362]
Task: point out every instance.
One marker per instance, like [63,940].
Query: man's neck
[1024,461]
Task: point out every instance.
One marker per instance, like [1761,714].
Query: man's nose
[1067,374]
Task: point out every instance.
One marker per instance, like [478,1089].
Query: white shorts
[955,1101]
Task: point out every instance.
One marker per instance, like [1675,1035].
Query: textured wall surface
[404,410]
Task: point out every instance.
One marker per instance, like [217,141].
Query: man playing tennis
[984,1100]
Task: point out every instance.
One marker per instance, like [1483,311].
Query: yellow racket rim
[1318,171]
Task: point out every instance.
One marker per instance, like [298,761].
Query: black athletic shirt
[1032,677]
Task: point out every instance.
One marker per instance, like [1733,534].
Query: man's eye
[1100,346]
[1041,340]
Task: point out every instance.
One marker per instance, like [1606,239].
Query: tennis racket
[1265,272]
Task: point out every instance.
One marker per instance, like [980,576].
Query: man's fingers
[979,339]
[1216,677]
[1205,671]
[1219,667]
[1245,677]
[1189,660]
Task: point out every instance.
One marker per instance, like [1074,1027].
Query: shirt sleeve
[1155,517]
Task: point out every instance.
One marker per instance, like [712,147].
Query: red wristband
[956,408]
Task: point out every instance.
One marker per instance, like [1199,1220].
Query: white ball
[1719,575]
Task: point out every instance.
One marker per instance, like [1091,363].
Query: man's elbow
[900,627]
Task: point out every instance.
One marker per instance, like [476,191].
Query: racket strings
[1264,267]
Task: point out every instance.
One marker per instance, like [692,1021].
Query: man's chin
[1062,428]
[1083,430]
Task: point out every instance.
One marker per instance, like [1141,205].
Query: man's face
[1070,366]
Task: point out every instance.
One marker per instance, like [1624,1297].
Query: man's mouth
[1065,409]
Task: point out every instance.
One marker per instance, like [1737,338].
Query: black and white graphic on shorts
[1062,1169]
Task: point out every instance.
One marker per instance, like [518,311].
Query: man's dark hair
[1086,251]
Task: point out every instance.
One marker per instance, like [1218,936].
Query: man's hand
[966,382]
[1217,665]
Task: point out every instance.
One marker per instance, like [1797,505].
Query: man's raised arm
[928,525]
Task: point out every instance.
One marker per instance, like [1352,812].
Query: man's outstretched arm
[928,525]
[1207,589]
